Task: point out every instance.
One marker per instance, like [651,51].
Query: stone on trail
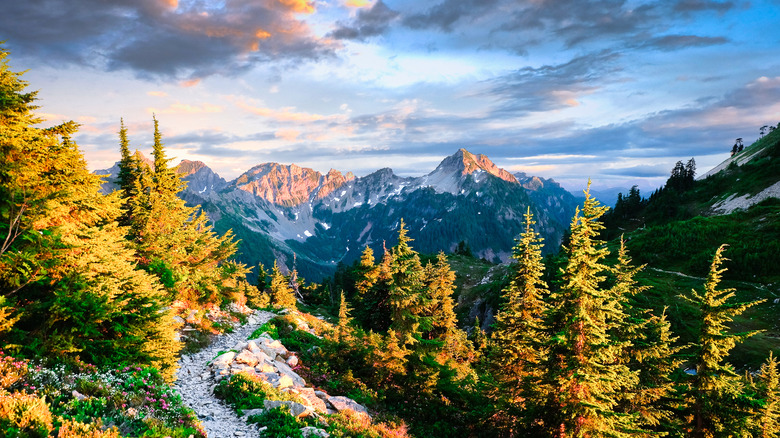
[314,432]
[341,403]
[247,357]
[287,371]
[224,358]
[296,409]
[310,396]
[265,367]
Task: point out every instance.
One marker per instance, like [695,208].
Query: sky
[615,91]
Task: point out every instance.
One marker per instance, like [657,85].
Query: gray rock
[247,357]
[296,409]
[292,360]
[250,412]
[341,403]
[284,369]
[313,432]
[224,359]
[313,400]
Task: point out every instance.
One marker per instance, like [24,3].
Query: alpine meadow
[195,272]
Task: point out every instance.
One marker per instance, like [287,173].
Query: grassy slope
[677,235]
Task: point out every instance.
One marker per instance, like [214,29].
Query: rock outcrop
[267,359]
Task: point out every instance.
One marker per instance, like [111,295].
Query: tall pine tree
[715,402]
[520,332]
[405,297]
[584,374]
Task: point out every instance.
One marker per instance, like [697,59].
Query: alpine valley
[313,221]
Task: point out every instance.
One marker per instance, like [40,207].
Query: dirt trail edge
[195,383]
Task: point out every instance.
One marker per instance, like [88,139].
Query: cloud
[553,86]
[287,134]
[641,171]
[357,3]
[157,93]
[675,42]
[449,12]
[281,115]
[371,22]
[183,108]
[164,38]
[688,6]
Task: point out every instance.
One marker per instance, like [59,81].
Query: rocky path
[195,382]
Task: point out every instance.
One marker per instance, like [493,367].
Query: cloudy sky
[614,90]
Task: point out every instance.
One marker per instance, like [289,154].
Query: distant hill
[285,212]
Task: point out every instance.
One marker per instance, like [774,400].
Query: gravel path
[195,383]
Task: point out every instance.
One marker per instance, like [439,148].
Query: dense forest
[94,290]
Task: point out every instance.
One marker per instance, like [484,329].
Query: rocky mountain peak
[290,185]
[332,181]
[465,163]
[452,171]
[188,167]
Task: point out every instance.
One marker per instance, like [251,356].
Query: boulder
[265,367]
[313,400]
[250,412]
[292,360]
[314,432]
[247,357]
[239,368]
[223,359]
[341,403]
[272,347]
[285,370]
[296,409]
[252,346]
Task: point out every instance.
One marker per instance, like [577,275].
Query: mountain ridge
[285,212]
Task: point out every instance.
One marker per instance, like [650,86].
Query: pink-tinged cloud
[282,115]
[287,134]
[157,93]
[189,83]
[357,3]
[183,108]
[299,6]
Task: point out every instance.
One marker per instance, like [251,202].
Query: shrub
[351,424]
[11,371]
[24,416]
[245,391]
[75,429]
[279,423]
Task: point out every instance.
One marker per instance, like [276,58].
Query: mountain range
[299,216]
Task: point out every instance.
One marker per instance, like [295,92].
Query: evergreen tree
[174,241]
[520,333]
[444,340]
[478,337]
[405,296]
[127,169]
[648,349]
[281,294]
[344,319]
[165,179]
[714,398]
[64,263]
[767,421]
[262,277]
[584,374]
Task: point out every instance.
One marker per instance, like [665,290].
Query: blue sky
[616,91]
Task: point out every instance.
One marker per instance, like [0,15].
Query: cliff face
[290,185]
[472,163]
